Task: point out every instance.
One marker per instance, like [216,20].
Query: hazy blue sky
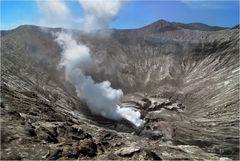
[134,14]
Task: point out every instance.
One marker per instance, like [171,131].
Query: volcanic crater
[182,78]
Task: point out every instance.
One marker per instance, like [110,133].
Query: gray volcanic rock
[183,78]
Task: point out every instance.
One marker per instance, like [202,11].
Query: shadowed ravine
[183,79]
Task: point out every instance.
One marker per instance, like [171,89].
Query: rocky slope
[183,78]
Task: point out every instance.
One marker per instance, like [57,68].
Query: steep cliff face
[183,78]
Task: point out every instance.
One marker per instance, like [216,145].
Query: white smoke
[99,13]
[55,13]
[101,98]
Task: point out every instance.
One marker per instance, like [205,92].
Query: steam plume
[100,97]
[99,13]
[54,13]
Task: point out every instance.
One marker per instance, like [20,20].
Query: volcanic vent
[181,78]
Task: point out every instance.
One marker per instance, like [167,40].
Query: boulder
[127,151]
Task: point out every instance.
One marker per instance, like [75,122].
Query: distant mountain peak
[163,25]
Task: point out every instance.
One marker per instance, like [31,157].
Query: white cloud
[55,13]
[99,13]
